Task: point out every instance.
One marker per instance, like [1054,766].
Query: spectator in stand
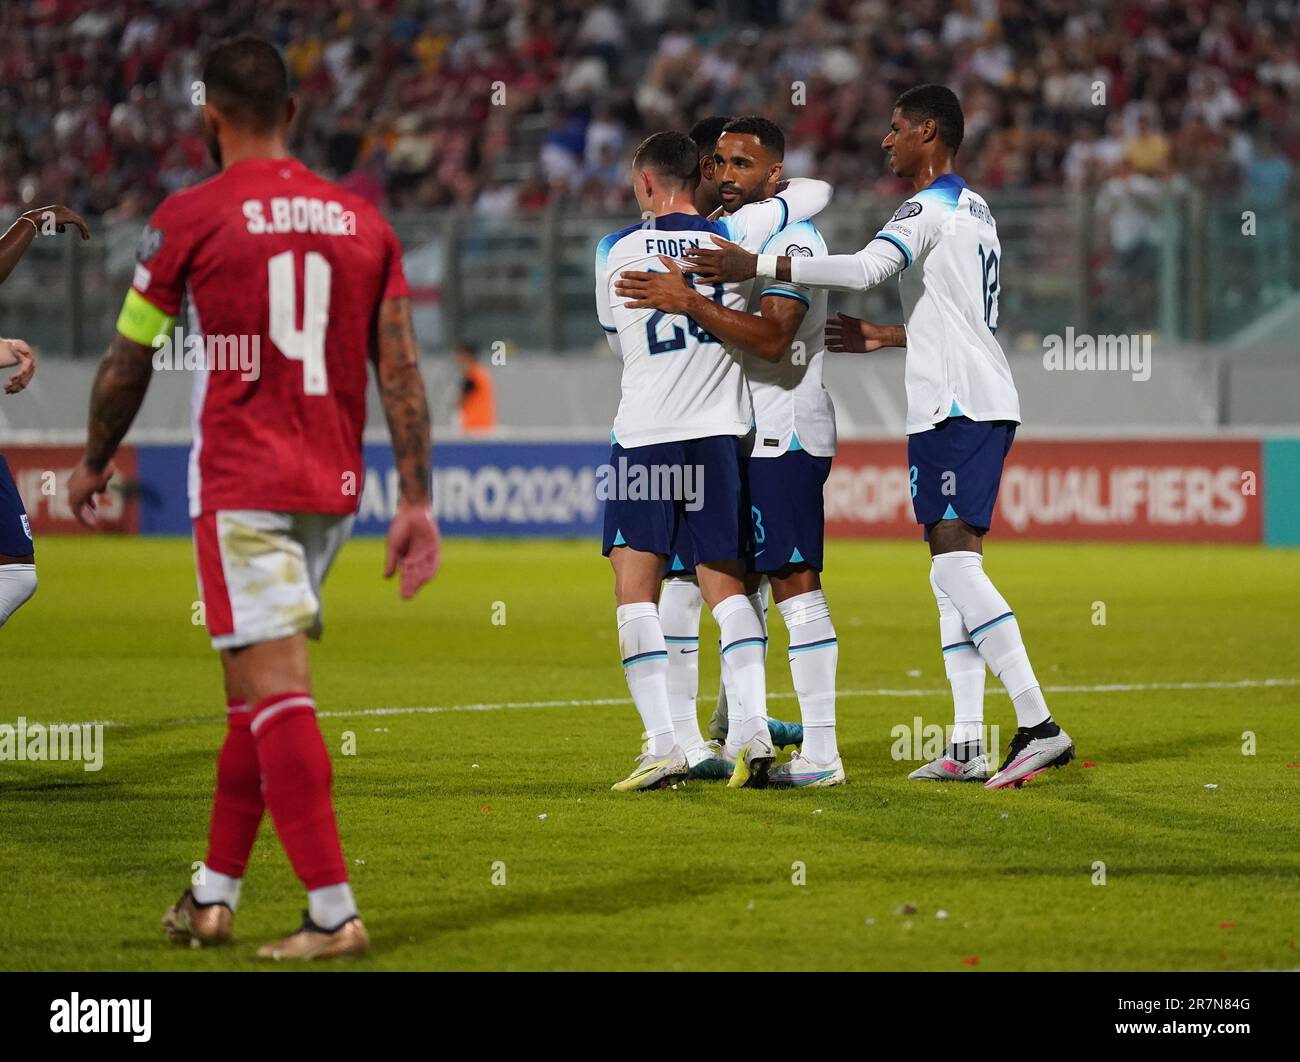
[430,102]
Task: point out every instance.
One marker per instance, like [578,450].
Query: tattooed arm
[413,541]
[120,386]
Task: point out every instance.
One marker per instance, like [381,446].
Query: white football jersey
[792,408]
[949,289]
[679,381]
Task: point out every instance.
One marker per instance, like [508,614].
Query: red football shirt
[294,268]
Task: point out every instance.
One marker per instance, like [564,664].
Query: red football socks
[237,805]
[296,776]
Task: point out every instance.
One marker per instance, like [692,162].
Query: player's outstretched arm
[852,335]
[728,263]
[414,545]
[767,336]
[44,220]
[16,352]
[120,386]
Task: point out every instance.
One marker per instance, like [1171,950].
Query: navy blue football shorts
[684,500]
[957,469]
[15,530]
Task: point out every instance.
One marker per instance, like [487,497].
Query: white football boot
[947,768]
[802,773]
[655,772]
[1030,756]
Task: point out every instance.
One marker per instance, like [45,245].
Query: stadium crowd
[506,104]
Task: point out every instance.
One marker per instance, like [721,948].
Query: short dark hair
[671,155]
[768,133]
[939,103]
[246,80]
[706,131]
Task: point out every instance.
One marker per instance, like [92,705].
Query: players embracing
[717,328]
[962,413]
[777,337]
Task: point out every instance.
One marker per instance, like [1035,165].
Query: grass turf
[700,877]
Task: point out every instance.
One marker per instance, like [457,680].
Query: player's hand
[16,352]
[852,335]
[670,292]
[414,547]
[84,486]
[57,215]
[728,262]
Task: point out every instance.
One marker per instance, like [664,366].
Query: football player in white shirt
[675,471]
[962,412]
[779,336]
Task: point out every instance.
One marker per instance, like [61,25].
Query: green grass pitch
[1198,838]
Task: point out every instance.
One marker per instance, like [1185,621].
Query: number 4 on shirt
[305,344]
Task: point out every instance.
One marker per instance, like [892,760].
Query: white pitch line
[1133,687]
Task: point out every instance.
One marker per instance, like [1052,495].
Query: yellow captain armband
[142,322]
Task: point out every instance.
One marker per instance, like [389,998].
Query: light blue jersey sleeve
[604,311]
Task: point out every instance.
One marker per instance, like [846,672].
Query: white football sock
[17,584]
[216,888]
[743,654]
[814,652]
[728,703]
[645,663]
[965,669]
[331,905]
[759,599]
[679,617]
[993,629]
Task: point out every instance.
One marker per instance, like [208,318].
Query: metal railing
[1197,270]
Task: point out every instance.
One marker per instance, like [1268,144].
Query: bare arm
[43,220]
[120,386]
[414,544]
[767,336]
[401,388]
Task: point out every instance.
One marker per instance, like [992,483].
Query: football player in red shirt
[291,284]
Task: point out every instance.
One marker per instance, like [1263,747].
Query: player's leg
[965,758]
[637,538]
[959,466]
[726,711]
[783,734]
[718,528]
[679,616]
[205,912]
[786,494]
[17,557]
[644,653]
[260,575]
